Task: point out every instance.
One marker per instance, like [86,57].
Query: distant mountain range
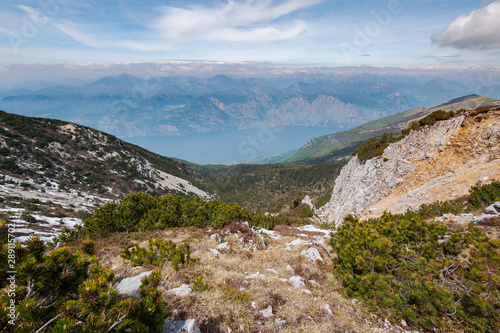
[130,106]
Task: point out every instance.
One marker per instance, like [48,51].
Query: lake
[232,146]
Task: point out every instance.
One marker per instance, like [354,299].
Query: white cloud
[74,32]
[243,21]
[477,31]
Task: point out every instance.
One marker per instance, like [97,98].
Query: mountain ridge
[347,141]
[75,157]
[130,106]
[437,163]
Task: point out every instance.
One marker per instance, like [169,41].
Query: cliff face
[440,162]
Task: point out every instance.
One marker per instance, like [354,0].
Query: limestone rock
[188,326]
[297,282]
[181,291]
[437,163]
[223,246]
[267,312]
[130,286]
[493,209]
[308,201]
[481,218]
[217,238]
[298,241]
[215,252]
[312,254]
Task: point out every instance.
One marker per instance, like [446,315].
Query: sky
[97,34]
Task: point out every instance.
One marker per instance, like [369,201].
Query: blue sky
[401,33]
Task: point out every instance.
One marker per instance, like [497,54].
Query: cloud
[235,21]
[74,32]
[477,31]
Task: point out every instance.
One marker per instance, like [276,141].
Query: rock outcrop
[439,162]
[130,286]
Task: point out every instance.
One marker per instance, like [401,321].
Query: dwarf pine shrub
[157,253]
[406,268]
[65,289]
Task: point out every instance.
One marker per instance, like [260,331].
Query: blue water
[232,146]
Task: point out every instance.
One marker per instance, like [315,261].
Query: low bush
[157,253]
[65,289]
[406,268]
[140,212]
[484,195]
[199,284]
[306,212]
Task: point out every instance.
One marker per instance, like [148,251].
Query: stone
[215,252]
[223,246]
[267,312]
[493,209]
[308,201]
[289,268]
[181,291]
[481,218]
[130,286]
[292,244]
[280,321]
[217,238]
[187,326]
[253,276]
[272,270]
[328,309]
[312,254]
[297,282]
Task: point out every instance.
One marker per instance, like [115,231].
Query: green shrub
[199,284]
[306,212]
[436,116]
[140,212]
[157,253]
[28,217]
[232,294]
[484,195]
[65,290]
[375,146]
[406,268]
[324,199]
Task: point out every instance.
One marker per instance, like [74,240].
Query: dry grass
[234,298]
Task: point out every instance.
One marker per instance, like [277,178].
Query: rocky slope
[440,162]
[75,157]
[50,170]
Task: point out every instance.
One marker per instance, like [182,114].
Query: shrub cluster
[484,195]
[157,253]
[375,146]
[419,272]
[65,289]
[140,211]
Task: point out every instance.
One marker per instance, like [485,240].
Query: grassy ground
[248,278]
